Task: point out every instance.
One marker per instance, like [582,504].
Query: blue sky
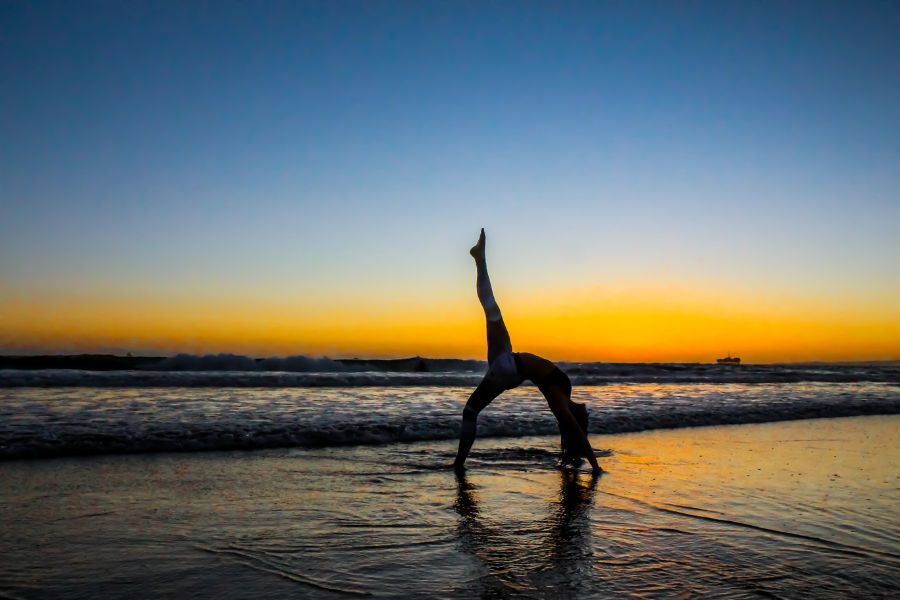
[348,148]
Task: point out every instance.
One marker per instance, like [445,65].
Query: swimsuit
[506,372]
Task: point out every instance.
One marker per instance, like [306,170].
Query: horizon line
[426,358]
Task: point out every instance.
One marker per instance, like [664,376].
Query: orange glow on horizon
[597,324]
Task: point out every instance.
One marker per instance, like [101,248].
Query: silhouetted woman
[508,369]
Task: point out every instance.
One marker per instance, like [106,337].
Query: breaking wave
[229,370]
[57,422]
[234,362]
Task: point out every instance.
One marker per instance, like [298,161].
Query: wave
[176,422]
[56,378]
[298,371]
[234,362]
[232,370]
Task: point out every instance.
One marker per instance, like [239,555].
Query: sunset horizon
[655,324]
[314,189]
[449,299]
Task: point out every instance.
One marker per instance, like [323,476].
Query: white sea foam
[228,370]
[235,362]
[61,421]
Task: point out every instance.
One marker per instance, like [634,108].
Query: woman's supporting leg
[481,397]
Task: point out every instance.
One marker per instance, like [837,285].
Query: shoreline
[263,447]
[801,508]
[44,421]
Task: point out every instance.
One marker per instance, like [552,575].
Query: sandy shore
[794,509]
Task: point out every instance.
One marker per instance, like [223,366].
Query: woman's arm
[570,429]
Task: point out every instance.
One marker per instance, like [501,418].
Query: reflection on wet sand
[517,557]
[804,509]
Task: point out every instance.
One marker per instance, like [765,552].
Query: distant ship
[729,360]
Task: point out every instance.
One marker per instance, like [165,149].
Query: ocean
[775,481]
[59,412]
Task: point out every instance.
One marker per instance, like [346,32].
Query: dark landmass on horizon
[414,364]
[112,362]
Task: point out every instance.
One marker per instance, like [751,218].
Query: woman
[508,369]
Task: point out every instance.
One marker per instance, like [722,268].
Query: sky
[659,181]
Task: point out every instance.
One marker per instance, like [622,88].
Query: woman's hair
[579,411]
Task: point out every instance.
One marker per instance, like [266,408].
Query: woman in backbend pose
[508,369]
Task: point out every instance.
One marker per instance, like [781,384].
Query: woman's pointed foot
[477,250]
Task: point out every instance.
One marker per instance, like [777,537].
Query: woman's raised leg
[498,341]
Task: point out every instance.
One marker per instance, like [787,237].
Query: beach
[791,509]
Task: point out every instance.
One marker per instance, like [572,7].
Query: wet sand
[792,509]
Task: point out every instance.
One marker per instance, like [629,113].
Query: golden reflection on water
[516,554]
[783,476]
[726,511]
